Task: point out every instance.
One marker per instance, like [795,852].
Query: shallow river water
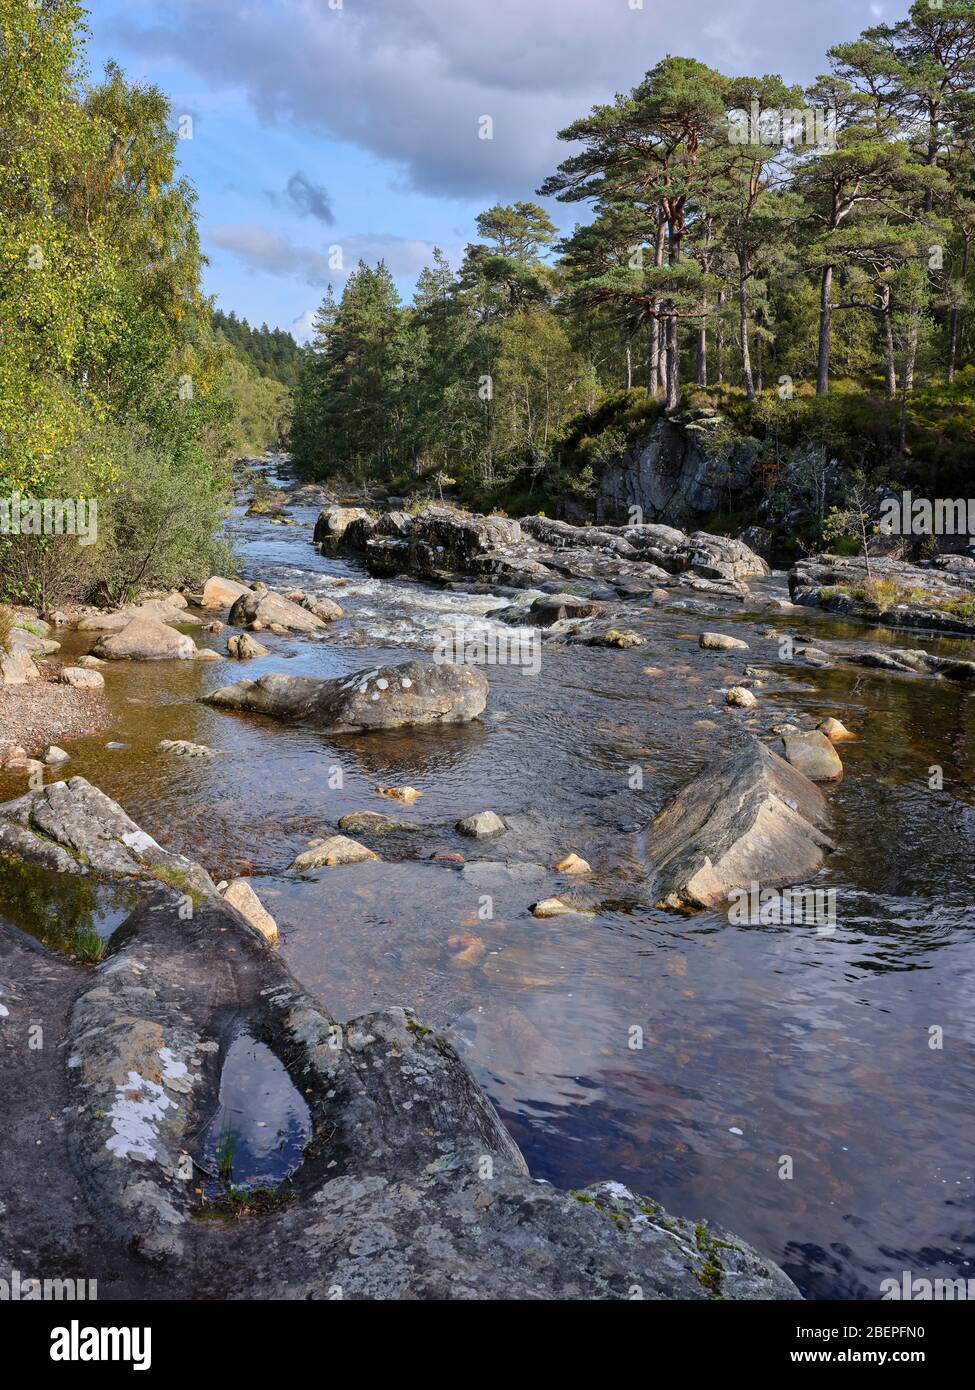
[760,1044]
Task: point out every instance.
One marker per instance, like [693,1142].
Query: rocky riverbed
[539,868]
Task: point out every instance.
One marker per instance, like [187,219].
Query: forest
[800,261]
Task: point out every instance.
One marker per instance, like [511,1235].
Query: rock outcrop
[385,697]
[751,819]
[681,469]
[924,597]
[409,1186]
[74,828]
[601,562]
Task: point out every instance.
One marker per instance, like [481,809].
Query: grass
[241,1202]
[89,946]
[174,877]
[225,1157]
[884,594]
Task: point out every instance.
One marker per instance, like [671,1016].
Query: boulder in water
[385,697]
[751,819]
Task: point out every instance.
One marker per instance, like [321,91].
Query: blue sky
[355,124]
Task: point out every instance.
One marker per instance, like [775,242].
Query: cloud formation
[409,80]
[267,252]
[310,199]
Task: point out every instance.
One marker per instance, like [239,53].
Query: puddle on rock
[257,1137]
[72,914]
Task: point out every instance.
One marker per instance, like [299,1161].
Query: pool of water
[258,1132]
[760,1044]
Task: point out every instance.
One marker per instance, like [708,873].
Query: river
[759,1044]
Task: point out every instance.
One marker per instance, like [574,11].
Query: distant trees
[272,351]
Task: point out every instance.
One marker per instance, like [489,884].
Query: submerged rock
[336,850]
[721,642]
[572,864]
[835,730]
[385,697]
[482,825]
[617,637]
[374,823]
[751,819]
[183,748]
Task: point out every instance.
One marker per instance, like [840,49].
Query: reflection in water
[64,911]
[258,1134]
[813,1047]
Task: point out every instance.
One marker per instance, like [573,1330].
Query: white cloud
[262,250]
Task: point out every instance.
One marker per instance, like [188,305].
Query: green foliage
[113,384]
[273,352]
[818,294]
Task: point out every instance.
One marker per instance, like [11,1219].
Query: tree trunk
[890,366]
[722,297]
[758,363]
[746,361]
[956,312]
[673,364]
[701,374]
[658,260]
[629,367]
[907,380]
[653,354]
[825,315]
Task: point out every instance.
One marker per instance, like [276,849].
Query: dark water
[258,1132]
[759,1044]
